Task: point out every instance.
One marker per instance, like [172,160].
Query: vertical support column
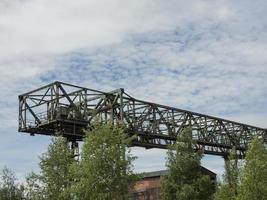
[154,125]
[74,148]
[51,111]
[173,123]
[85,105]
[121,104]
[112,115]
[57,96]
[106,112]
[190,121]
[20,111]
[25,112]
[134,115]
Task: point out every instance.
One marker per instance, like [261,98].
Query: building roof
[153,174]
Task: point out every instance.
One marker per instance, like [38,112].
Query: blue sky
[207,56]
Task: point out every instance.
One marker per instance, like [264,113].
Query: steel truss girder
[65,109]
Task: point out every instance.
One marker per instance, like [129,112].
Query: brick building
[149,187]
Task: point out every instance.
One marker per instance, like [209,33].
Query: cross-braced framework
[64,109]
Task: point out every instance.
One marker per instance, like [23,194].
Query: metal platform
[64,109]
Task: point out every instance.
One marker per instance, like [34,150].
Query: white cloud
[23,67]
[207,56]
[57,26]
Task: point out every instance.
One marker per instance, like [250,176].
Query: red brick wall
[147,189]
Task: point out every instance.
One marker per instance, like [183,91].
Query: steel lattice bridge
[64,109]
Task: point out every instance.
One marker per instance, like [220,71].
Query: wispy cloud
[206,56]
[34,27]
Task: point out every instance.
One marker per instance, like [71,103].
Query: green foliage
[254,177]
[9,189]
[228,189]
[54,179]
[105,169]
[184,180]
[33,187]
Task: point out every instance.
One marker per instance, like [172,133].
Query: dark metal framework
[65,109]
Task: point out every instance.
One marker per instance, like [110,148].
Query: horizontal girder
[65,109]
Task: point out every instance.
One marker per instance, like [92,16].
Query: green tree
[9,189]
[34,189]
[254,176]
[184,180]
[105,169]
[54,179]
[228,189]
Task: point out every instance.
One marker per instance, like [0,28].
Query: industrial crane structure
[65,109]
